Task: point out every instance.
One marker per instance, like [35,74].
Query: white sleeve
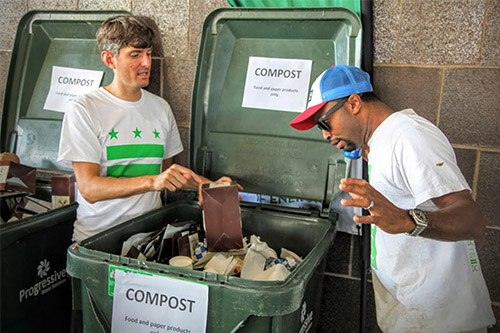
[173,142]
[428,164]
[79,138]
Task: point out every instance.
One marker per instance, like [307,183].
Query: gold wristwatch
[421,221]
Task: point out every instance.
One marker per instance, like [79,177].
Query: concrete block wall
[440,57]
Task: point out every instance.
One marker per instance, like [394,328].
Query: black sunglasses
[322,123]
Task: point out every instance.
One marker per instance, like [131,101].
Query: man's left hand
[383,213]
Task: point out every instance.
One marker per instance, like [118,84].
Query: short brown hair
[121,31]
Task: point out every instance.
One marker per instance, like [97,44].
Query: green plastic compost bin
[233,133]
[35,289]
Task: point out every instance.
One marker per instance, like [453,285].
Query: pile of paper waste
[183,244]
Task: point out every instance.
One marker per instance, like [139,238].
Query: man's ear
[354,103]
[109,59]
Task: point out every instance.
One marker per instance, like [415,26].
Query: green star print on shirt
[113,134]
[133,151]
[137,133]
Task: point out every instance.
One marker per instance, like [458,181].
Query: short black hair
[369,97]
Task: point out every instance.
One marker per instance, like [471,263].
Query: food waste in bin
[218,247]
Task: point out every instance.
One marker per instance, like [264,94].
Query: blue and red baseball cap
[336,82]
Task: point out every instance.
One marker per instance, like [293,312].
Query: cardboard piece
[8,205]
[222,217]
[169,246]
[15,177]
[34,206]
[63,190]
[18,206]
[186,244]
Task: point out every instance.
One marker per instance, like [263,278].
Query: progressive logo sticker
[49,281]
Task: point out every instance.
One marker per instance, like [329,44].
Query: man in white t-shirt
[121,139]
[426,272]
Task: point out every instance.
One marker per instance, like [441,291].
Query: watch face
[421,221]
[420,216]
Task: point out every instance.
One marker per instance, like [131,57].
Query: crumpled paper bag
[221,264]
[255,262]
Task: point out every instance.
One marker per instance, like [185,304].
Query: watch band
[421,221]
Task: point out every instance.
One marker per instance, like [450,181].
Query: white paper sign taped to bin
[277,84]
[67,83]
[145,303]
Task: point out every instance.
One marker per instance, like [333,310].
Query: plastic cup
[181,261]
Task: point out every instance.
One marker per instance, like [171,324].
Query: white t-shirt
[126,139]
[420,284]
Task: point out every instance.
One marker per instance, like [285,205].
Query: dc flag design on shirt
[133,151]
[137,133]
[113,134]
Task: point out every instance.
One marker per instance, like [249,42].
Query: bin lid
[45,39]
[354,5]
[254,144]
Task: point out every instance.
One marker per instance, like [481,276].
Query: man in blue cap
[426,273]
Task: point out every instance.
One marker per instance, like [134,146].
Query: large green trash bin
[256,147]
[35,290]
[234,303]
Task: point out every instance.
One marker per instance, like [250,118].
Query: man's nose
[146,60]
[326,135]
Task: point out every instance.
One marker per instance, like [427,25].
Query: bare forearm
[105,188]
[94,187]
[459,220]
[457,216]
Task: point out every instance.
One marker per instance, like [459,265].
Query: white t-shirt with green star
[126,139]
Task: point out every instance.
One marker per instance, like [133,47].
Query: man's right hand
[176,177]
[94,187]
